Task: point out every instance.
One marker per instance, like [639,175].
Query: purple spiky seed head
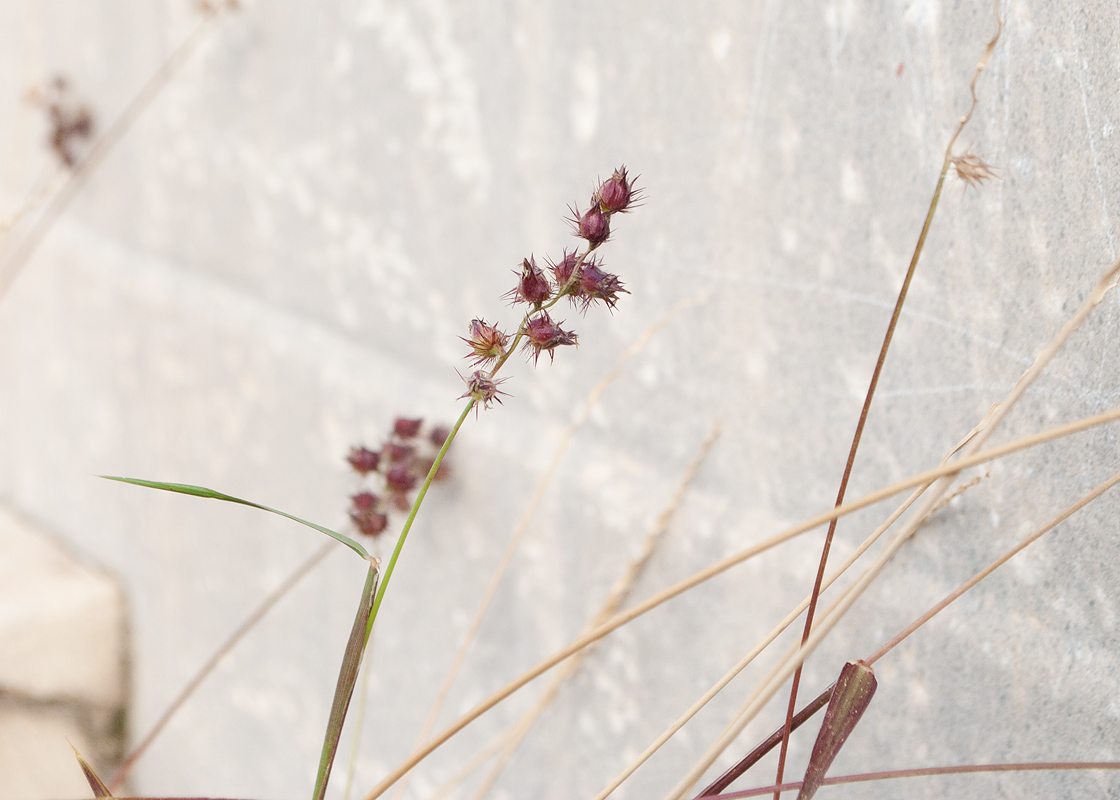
[532,285]
[407,428]
[483,388]
[562,272]
[365,516]
[595,284]
[363,460]
[398,453]
[594,225]
[487,343]
[400,479]
[617,195]
[542,334]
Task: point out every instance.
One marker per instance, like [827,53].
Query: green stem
[338,713]
[412,515]
[562,292]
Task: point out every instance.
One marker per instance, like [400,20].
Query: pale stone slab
[61,623]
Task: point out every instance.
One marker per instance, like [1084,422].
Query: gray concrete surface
[281,254]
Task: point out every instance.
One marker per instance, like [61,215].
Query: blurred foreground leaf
[95,783]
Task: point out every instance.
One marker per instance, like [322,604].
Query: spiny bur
[487,343]
[483,388]
[617,195]
[532,287]
[543,335]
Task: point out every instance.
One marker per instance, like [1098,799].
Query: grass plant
[579,279]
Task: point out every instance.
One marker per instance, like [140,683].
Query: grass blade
[344,689]
[202,491]
[95,783]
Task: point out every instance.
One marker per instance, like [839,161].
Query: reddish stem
[1041,766]
[772,741]
[848,471]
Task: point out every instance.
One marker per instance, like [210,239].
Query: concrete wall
[281,254]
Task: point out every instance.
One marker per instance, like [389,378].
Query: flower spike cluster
[394,470]
[579,276]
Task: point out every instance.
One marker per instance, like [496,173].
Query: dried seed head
[532,285]
[972,170]
[595,284]
[594,225]
[363,460]
[439,435]
[487,343]
[483,389]
[364,514]
[407,428]
[542,334]
[562,271]
[398,453]
[400,479]
[363,501]
[71,124]
[617,194]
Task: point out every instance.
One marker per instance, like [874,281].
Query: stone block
[61,623]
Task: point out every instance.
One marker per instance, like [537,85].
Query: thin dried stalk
[880,362]
[757,754]
[971,769]
[725,564]
[967,447]
[999,562]
[746,660]
[250,622]
[11,266]
[543,483]
[494,747]
[613,603]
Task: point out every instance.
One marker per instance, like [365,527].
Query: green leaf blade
[210,494]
